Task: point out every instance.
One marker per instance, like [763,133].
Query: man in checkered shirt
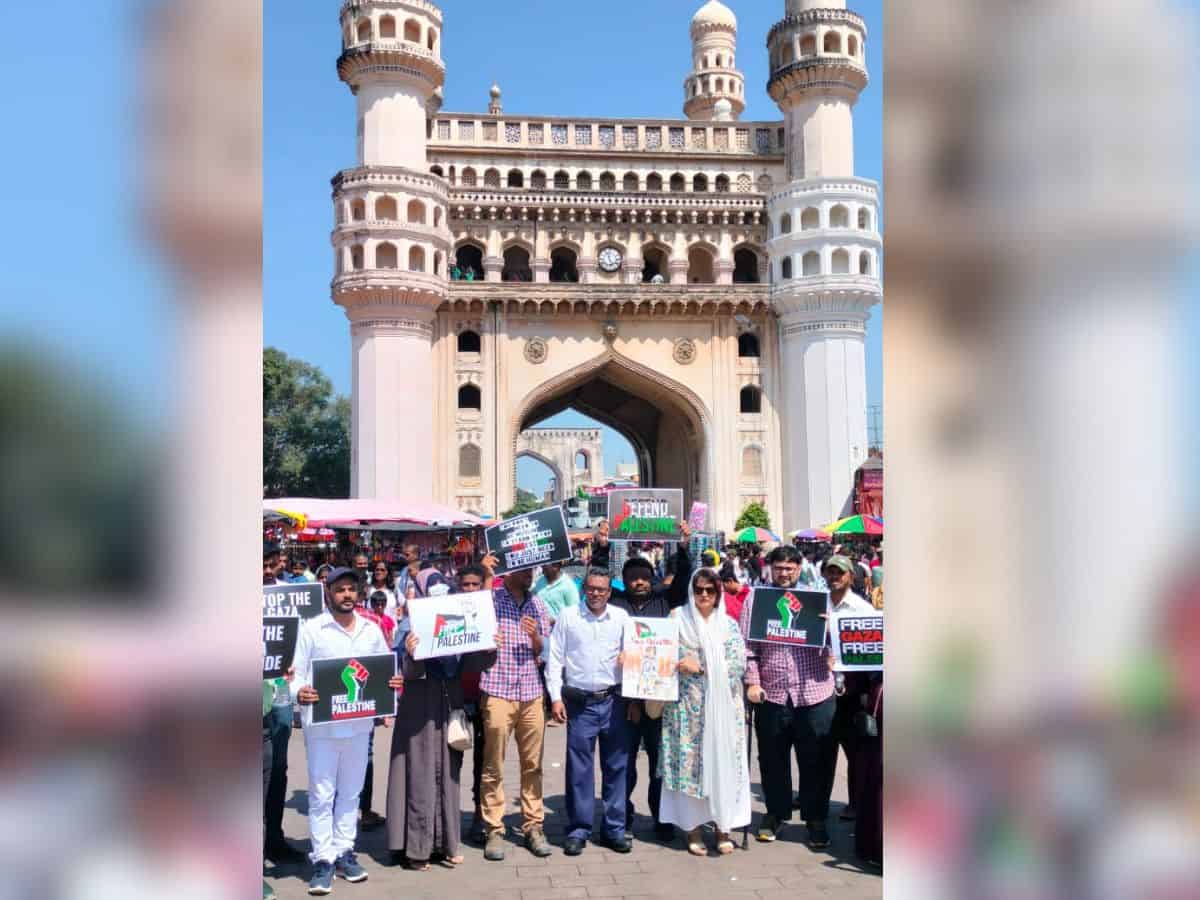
[793,688]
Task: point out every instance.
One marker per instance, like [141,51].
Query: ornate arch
[550,464]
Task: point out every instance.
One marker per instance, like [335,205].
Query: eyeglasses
[597,589]
[705,591]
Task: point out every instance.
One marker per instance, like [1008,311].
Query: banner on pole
[453,624]
[354,687]
[534,539]
[651,650]
[650,514]
[858,642]
[789,616]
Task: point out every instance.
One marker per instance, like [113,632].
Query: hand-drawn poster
[651,659]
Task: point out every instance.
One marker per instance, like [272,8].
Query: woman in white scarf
[703,761]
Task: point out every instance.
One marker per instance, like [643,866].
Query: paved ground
[785,869]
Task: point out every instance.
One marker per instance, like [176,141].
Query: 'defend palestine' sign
[645,514]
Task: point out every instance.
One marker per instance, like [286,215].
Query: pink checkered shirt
[515,675]
[799,674]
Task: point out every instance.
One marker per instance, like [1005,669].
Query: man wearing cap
[645,599]
[337,751]
[793,688]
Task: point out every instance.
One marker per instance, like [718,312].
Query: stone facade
[666,277]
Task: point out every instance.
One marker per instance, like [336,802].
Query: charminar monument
[701,285]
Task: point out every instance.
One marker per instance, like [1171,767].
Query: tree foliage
[753,516]
[306,431]
[527,502]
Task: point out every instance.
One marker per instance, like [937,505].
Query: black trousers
[646,733]
[807,731]
[280,725]
[847,738]
[475,711]
[367,795]
[268,755]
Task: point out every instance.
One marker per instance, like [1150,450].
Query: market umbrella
[810,534]
[754,536]
[868,525]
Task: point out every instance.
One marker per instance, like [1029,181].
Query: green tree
[527,501]
[753,516]
[306,431]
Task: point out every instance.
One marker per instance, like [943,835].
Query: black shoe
[281,852]
[818,836]
[664,832]
[573,846]
[617,844]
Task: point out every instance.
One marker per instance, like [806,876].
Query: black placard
[788,616]
[533,539]
[650,514]
[279,644]
[353,687]
[306,599]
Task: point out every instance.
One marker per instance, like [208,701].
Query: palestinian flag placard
[645,515]
[789,616]
[858,642]
[453,624]
[352,688]
[534,539]
[651,648]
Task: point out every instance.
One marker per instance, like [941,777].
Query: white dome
[714,13]
[723,111]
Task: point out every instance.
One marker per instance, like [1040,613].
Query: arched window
[358,209]
[437,263]
[654,182]
[356,258]
[431,39]
[386,256]
[745,266]
[583,181]
[437,217]
[469,397]
[364,30]
[678,183]
[469,259]
[412,31]
[608,181]
[387,27]
[864,219]
[562,181]
[841,262]
[700,266]
[789,54]
[516,265]
[416,259]
[469,459]
[563,264]
[654,261]
[720,85]
[515,178]
[537,180]
[452,177]
[469,342]
[852,46]
[385,209]
[750,400]
[808,45]
[839,217]
[468,177]
[752,464]
[785,224]
[833,42]
[812,263]
[437,170]
[810,219]
[416,212]
[748,346]
[722,184]
[491,178]
[630,182]
[785,268]
[864,263]
[700,184]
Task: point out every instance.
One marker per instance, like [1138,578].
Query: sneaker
[536,841]
[494,849]
[346,866]
[818,836]
[768,829]
[322,879]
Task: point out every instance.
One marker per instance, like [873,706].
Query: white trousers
[336,769]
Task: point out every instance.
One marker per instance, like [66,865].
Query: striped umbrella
[755,536]
[868,525]
[810,534]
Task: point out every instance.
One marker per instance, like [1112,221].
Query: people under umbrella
[557,659]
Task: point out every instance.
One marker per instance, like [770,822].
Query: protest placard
[651,649]
[645,515]
[306,599]
[453,624]
[858,642]
[533,539]
[788,616]
[698,516]
[279,644]
[354,687]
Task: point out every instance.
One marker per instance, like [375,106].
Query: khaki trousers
[528,722]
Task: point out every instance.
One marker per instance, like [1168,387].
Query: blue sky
[548,60]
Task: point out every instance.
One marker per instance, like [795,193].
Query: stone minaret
[825,256]
[391,241]
[714,74]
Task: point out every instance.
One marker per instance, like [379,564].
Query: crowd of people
[557,663]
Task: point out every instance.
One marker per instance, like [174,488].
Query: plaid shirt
[515,675]
[799,674]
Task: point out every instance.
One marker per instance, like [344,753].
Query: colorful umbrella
[755,536]
[810,534]
[868,525]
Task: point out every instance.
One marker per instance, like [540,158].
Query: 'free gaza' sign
[858,642]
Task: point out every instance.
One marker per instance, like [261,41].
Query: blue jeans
[280,724]
[588,722]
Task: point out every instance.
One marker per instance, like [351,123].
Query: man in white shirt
[586,647]
[337,752]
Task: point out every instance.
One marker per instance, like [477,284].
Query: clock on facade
[610,259]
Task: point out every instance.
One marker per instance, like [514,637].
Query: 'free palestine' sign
[354,687]
[788,616]
[453,624]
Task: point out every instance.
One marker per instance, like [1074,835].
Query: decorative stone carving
[610,331]
[685,351]
[536,351]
